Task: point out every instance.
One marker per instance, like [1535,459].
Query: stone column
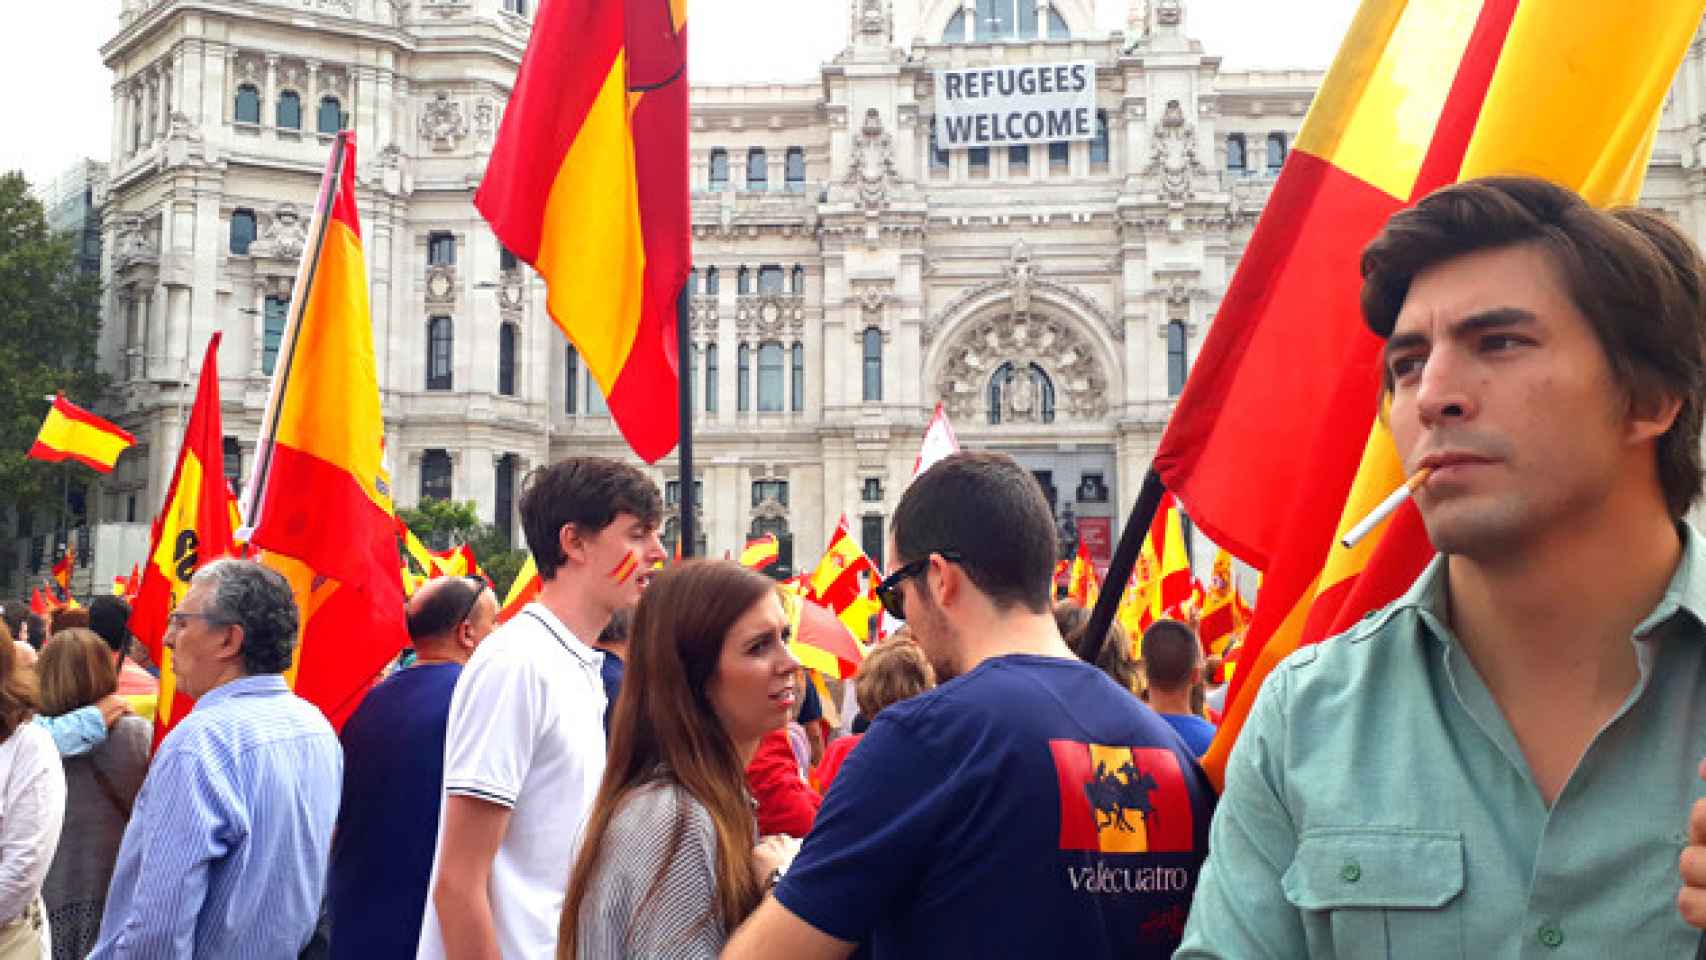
[269,94]
[311,96]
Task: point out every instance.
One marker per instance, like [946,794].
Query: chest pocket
[1378,892]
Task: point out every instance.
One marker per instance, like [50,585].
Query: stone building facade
[848,275]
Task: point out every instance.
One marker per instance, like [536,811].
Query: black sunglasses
[468,611]
[888,592]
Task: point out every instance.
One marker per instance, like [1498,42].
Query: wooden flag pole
[1125,555]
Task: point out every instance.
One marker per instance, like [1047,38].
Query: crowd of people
[637,765]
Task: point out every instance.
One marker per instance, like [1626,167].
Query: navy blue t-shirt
[376,885]
[1030,808]
[1196,732]
[610,671]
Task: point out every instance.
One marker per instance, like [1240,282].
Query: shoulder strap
[107,787]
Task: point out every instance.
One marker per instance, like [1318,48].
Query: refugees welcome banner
[1019,103]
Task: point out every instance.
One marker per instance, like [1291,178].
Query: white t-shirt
[526,730]
[32,809]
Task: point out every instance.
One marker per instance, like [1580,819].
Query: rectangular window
[743,281]
[596,406]
[233,463]
[712,282]
[571,380]
[719,169]
[871,537]
[797,382]
[770,378]
[272,331]
[503,497]
[507,261]
[743,383]
[711,378]
[770,278]
[1092,488]
[1059,156]
[873,490]
[441,249]
[873,380]
[757,170]
[1099,146]
[938,156]
[977,160]
[794,170]
[1177,362]
[763,490]
[1019,159]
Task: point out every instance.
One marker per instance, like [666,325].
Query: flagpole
[1125,555]
[684,540]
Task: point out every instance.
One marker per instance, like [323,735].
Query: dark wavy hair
[664,722]
[586,491]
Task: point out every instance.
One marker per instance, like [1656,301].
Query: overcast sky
[60,107]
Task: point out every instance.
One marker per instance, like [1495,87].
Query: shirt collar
[563,635]
[1685,592]
[260,683]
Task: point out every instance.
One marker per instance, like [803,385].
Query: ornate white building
[848,276]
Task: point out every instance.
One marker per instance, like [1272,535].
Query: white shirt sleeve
[32,809]
[497,715]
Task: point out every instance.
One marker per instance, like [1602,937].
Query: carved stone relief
[285,235]
[1051,345]
[1058,293]
[485,120]
[1020,275]
[441,284]
[768,316]
[872,172]
[442,122]
[873,18]
[1173,154]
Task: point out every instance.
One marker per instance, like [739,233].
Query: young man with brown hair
[1027,806]
[1499,762]
[524,747]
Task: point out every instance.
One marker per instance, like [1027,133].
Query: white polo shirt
[526,731]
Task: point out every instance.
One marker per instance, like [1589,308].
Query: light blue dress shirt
[225,854]
[1377,803]
[77,732]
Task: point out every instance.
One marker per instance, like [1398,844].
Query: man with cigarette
[1502,761]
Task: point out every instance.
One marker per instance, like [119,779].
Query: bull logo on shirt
[1122,799]
[1113,795]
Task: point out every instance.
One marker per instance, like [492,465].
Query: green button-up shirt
[1377,803]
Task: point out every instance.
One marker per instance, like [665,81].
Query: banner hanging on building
[1015,103]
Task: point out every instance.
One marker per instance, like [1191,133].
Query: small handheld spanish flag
[72,433]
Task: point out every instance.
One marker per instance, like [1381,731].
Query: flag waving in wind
[194,527]
[72,433]
[319,503]
[588,183]
[1423,93]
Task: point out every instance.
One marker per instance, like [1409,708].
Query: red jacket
[833,756]
[786,804]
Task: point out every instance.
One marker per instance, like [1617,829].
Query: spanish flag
[193,528]
[521,593]
[761,553]
[1423,93]
[845,582]
[1083,586]
[62,569]
[1161,583]
[319,503]
[588,183]
[72,433]
[1221,612]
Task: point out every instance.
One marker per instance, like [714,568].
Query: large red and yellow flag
[1161,582]
[761,552]
[194,527]
[523,590]
[1222,613]
[319,503]
[845,582]
[72,433]
[588,183]
[1083,584]
[1423,93]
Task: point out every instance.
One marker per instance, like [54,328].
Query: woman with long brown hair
[76,670]
[671,862]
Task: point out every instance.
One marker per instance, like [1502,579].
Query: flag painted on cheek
[624,571]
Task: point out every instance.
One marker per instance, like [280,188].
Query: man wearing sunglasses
[393,770]
[1026,807]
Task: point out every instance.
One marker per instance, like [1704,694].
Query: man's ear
[231,644]
[571,542]
[1650,417]
[951,578]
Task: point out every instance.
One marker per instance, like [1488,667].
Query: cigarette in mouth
[1386,508]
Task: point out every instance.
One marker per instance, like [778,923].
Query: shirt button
[1350,873]
[1551,936]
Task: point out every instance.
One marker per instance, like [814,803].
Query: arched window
[571,380]
[797,378]
[711,378]
[503,497]
[289,111]
[435,475]
[711,281]
[769,378]
[1004,20]
[1176,359]
[330,118]
[873,365]
[1235,159]
[794,170]
[248,108]
[1276,152]
[798,280]
[757,169]
[1099,146]
[1020,395]
[1057,26]
[955,32]
[743,385]
[719,169]
[506,359]
[440,337]
[242,230]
